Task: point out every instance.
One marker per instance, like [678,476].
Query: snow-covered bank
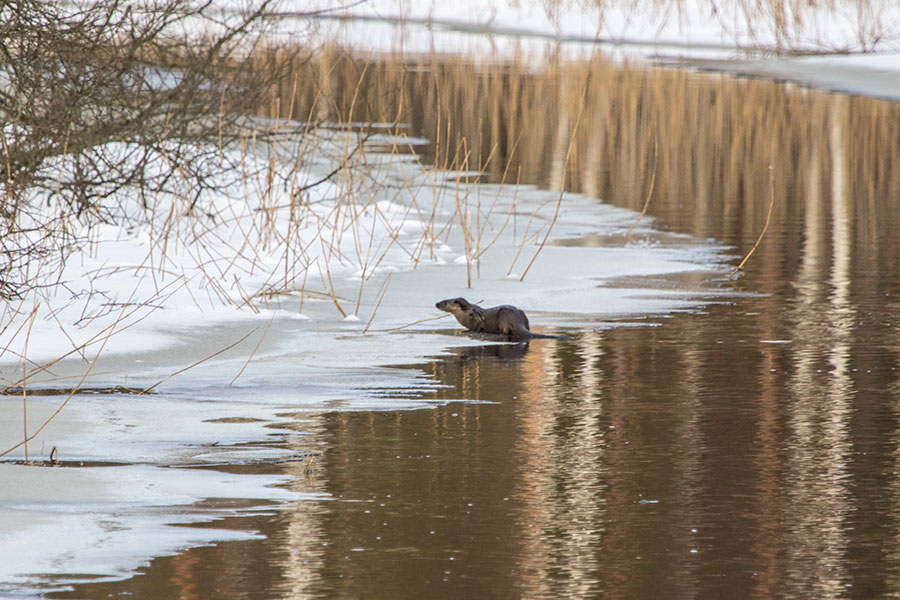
[760,28]
[253,267]
[328,253]
[312,292]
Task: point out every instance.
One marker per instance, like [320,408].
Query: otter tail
[526,334]
[547,336]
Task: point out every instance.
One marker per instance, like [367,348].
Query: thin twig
[765,227]
[561,191]
[24,387]
[59,408]
[191,366]
[382,292]
[649,191]
[411,324]
[253,352]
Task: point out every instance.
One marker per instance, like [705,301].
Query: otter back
[503,320]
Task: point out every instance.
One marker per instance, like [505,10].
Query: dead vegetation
[105,96]
[634,136]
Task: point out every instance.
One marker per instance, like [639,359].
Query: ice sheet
[394,249]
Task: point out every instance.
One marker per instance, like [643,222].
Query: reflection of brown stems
[766,226]
[649,191]
[191,366]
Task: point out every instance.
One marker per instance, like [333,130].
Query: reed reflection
[688,459]
[755,447]
[564,487]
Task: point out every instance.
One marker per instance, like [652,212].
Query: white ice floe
[282,310]
[63,524]
[401,234]
[287,302]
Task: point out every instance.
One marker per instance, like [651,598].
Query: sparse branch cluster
[100,95]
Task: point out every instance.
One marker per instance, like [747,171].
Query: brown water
[751,451]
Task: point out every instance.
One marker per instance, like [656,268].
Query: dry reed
[702,137]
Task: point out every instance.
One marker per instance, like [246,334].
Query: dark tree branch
[103,95]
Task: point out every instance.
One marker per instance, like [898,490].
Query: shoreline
[833,60]
[305,367]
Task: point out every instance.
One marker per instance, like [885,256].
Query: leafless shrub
[101,95]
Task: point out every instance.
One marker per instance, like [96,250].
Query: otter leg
[513,322]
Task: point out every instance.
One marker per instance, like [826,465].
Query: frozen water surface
[236,406]
[134,467]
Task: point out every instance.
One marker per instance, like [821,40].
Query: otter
[504,319]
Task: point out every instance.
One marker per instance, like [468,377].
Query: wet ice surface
[73,523]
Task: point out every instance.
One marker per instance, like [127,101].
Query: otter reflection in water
[504,319]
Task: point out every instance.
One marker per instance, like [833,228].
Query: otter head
[453,305]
